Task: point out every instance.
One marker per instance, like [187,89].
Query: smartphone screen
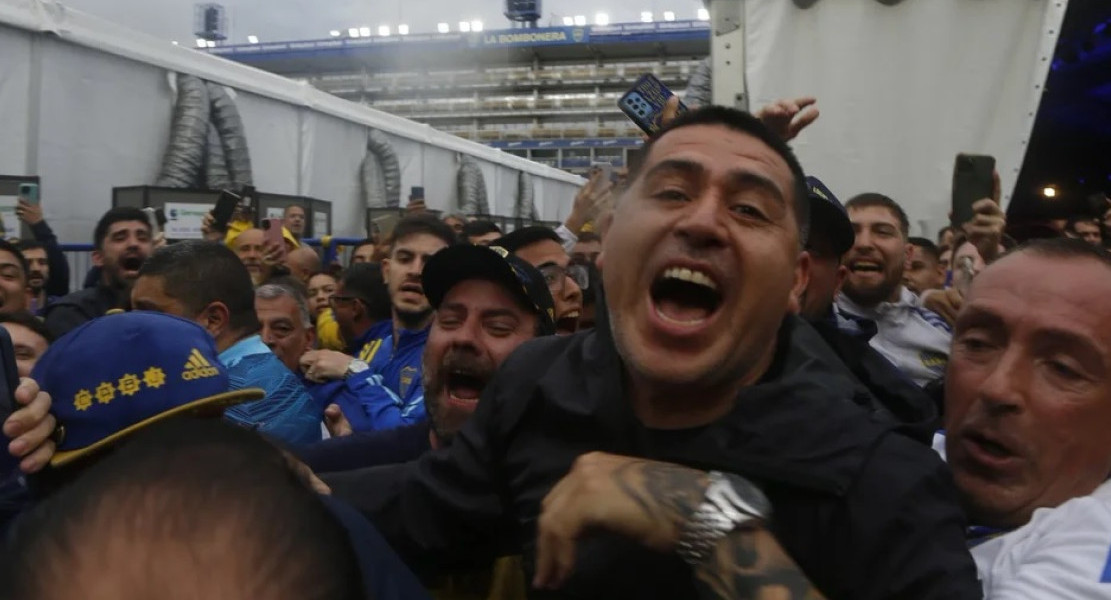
[224,209]
[29,192]
[973,180]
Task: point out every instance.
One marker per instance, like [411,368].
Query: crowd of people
[713,380]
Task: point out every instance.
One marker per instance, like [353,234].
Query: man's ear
[215,318]
[802,280]
[842,273]
[98,258]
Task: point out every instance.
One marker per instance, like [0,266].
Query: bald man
[303,263]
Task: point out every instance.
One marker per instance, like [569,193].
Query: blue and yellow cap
[117,374]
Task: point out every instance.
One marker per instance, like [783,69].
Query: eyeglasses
[556,276]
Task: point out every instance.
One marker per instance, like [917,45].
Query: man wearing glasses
[542,248]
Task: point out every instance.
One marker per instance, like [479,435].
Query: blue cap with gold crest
[462,262]
[117,374]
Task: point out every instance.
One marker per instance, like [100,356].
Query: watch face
[357,366]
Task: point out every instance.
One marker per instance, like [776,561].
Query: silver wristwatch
[355,366]
[730,501]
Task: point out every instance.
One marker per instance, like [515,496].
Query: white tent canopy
[87,106]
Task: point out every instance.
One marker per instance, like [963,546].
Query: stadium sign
[534,37]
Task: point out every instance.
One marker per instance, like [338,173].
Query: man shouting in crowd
[699,442]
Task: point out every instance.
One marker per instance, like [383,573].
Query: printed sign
[9,223]
[320,224]
[183,220]
[275,212]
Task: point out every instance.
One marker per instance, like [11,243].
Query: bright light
[1049,192]
[211,43]
[464,26]
[601,19]
[476,25]
[703,14]
[580,20]
[443,27]
[364,31]
[353,32]
[402,30]
[568,21]
[669,16]
[201,43]
[252,39]
[383,30]
[646,17]
[335,33]
[174,43]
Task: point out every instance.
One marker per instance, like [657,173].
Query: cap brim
[203,406]
[825,217]
[464,262]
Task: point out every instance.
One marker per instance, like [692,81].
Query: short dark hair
[29,321]
[360,244]
[745,123]
[927,246]
[871,199]
[477,228]
[365,281]
[6,246]
[168,488]
[586,237]
[285,211]
[117,215]
[527,236]
[25,245]
[199,273]
[943,231]
[1064,248]
[426,224]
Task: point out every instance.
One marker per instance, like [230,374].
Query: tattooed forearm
[749,564]
[667,493]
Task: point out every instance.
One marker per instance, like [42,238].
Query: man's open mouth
[568,322]
[131,263]
[865,266]
[685,296]
[464,387]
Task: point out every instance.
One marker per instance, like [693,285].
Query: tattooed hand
[642,500]
[750,564]
[651,503]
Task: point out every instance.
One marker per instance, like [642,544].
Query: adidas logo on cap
[197,367]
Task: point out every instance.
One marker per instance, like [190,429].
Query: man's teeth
[572,315]
[695,277]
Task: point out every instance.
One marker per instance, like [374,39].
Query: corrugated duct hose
[700,87]
[526,198]
[208,144]
[472,188]
[184,158]
[380,173]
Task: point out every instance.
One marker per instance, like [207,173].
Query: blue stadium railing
[80,255]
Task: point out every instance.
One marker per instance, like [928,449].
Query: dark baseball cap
[463,262]
[828,216]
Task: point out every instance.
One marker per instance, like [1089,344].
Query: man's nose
[701,224]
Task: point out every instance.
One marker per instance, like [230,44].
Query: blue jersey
[287,412]
[390,393]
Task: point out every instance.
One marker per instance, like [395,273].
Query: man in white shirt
[1028,403]
[873,299]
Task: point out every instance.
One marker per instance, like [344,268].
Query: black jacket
[58,283]
[893,397]
[865,512]
[69,312]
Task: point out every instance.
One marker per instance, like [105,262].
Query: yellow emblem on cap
[502,252]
